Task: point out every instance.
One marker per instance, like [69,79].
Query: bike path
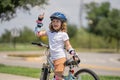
[105,64]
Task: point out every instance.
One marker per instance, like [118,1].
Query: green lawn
[35,73]
[30,47]
[18,47]
[24,71]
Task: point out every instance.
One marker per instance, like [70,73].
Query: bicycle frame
[49,61]
[51,66]
[72,62]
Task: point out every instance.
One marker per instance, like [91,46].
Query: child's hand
[41,17]
[39,21]
[76,58]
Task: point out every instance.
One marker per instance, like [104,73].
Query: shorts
[59,65]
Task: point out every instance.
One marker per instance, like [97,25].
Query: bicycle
[82,74]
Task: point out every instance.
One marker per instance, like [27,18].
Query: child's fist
[41,16]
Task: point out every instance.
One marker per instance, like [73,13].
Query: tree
[110,27]
[96,12]
[114,20]
[106,21]
[104,27]
[8,7]
[72,30]
[5,36]
[26,35]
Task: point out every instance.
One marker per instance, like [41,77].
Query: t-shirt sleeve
[65,37]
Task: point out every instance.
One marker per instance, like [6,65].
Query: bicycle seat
[72,62]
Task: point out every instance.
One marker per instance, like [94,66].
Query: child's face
[56,23]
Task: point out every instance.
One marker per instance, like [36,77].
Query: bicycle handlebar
[71,61]
[40,44]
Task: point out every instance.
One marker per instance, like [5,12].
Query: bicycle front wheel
[85,74]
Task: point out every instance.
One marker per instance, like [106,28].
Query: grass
[23,71]
[30,47]
[18,47]
[109,77]
[35,73]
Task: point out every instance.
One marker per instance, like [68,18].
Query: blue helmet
[58,15]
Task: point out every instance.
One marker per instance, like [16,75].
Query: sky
[71,8]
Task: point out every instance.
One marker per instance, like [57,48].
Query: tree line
[103,20]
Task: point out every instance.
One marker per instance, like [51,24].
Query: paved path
[103,64]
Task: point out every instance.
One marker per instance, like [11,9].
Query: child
[58,38]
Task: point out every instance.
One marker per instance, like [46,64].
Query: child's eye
[53,21]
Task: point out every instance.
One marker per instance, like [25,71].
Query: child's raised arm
[38,31]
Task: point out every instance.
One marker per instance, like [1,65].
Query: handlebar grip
[72,61]
[40,44]
[34,43]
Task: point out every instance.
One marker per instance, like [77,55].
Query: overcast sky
[70,8]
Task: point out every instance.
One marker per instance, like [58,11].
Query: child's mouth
[55,26]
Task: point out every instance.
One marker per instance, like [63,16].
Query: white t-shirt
[56,44]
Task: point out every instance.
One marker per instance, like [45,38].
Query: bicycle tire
[86,74]
[45,74]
